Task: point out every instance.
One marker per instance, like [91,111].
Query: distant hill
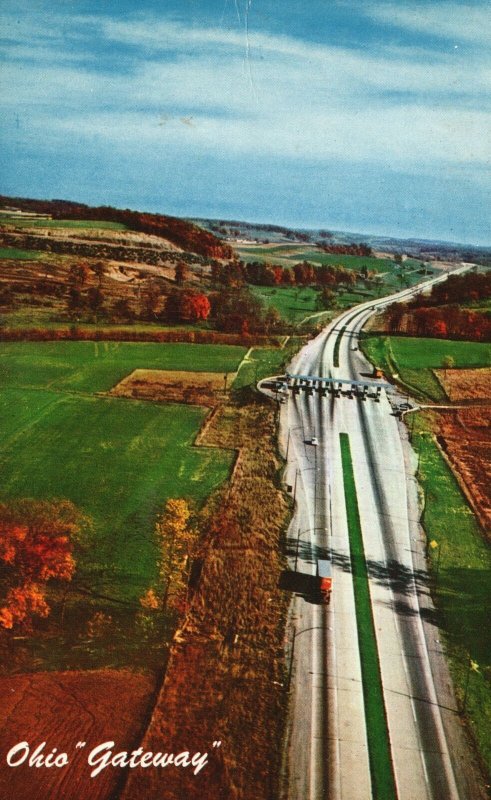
[179,232]
[233,231]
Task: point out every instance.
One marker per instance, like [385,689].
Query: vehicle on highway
[314,440]
[324,573]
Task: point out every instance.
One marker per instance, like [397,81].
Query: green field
[413,359]
[461,569]
[289,254]
[89,367]
[21,255]
[293,303]
[117,459]
[63,223]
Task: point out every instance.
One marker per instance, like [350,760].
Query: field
[174,386]
[293,304]
[290,254]
[20,255]
[63,709]
[97,366]
[116,459]
[466,384]
[296,303]
[413,359]
[87,224]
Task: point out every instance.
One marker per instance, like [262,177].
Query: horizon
[343,117]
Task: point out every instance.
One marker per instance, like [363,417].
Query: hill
[183,234]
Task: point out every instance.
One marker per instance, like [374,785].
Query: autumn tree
[99,269]
[78,274]
[37,545]
[180,273]
[176,538]
[195,306]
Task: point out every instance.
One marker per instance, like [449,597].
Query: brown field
[168,386]
[61,709]
[465,384]
[465,435]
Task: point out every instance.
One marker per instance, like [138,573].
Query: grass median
[381,769]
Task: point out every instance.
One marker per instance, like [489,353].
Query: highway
[326,751]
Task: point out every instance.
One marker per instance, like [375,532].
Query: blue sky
[365,116]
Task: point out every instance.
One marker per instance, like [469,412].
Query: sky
[367,116]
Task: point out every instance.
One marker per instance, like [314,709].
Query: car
[314,441]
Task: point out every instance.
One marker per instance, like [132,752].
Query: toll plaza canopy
[288,379]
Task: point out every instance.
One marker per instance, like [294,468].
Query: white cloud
[456,21]
[309,102]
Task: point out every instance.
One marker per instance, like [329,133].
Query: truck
[324,574]
[377,373]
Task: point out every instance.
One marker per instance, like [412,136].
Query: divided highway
[327,752]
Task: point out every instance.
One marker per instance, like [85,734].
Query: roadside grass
[413,359]
[21,255]
[261,363]
[381,768]
[460,565]
[63,223]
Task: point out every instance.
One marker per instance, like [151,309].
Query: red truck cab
[324,573]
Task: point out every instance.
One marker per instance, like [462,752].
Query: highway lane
[327,753]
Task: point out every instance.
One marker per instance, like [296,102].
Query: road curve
[326,753]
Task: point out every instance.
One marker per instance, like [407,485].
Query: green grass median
[381,769]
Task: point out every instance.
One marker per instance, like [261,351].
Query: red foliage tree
[195,307]
[37,541]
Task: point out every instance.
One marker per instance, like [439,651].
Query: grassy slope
[117,459]
[293,303]
[461,566]
[414,358]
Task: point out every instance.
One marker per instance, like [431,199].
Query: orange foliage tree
[37,540]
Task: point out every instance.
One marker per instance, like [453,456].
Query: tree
[180,273]
[78,274]
[272,319]
[95,299]
[100,270]
[37,544]
[448,362]
[176,538]
[328,298]
[195,306]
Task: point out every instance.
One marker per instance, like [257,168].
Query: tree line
[304,273]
